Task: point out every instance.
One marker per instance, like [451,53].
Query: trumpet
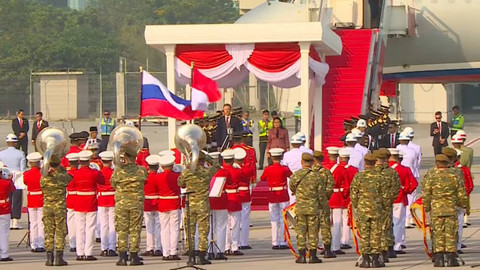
[52,143]
[189,140]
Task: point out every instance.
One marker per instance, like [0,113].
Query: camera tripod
[26,237]
[213,244]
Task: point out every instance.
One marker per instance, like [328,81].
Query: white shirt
[409,157]
[356,158]
[293,159]
[418,152]
[92,141]
[14,159]
[362,149]
[306,150]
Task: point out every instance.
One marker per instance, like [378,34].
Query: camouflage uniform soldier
[54,186]
[309,189]
[367,205]
[442,194]
[199,183]
[325,216]
[128,180]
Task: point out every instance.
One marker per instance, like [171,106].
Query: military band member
[309,190]
[6,188]
[409,223]
[74,148]
[54,186]
[408,185]
[465,160]
[219,211]
[468,181]
[72,160]
[276,176]
[366,194]
[95,161]
[150,209]
[337,202]
[85,182]
[106,207]
[442,194]
[326,231]
[31,178]
[234,203]
[343,157]
[128,180]
[169,206]
[198,181]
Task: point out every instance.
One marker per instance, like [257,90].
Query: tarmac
[262,256]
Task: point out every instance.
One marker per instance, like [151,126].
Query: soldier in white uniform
[409,155]
[302,147]
[356,157]
[359,147]
[416,172]
[293,160]
[362,126]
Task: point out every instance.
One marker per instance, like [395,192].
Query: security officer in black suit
[38,126]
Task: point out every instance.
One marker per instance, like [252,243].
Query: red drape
[203,56]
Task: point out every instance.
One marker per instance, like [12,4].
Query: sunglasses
[106,114]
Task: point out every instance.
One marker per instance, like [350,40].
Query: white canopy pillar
[172,123]
[305,89]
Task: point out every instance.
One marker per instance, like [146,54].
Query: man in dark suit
[390,140]
[38,125]
[439,131]
[20,128]
[227,125]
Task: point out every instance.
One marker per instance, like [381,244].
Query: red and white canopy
[229,64]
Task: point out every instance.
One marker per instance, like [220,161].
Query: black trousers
[16,199]
[297,124]
[23,145]
[249,141]
[104,143]
[263,147]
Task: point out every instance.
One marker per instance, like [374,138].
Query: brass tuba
[189,140]
[125,139]
[53,144]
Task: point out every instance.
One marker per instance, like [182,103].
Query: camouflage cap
[317,154]
[201,155]
[370,157]
[307,157]
[449,152]
[379,154]
[442,158]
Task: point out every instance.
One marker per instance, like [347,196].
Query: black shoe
[403,246]
[237,253]
[313,257]
[376,263]
[400,252]
[327,252]
[463,246]
[173,258]
[112,253]
[104,253]
[385,256]
[8,259]
[135,260]
[73,249]
[89,258]
[49,261]
[122,260]
[460,251]
[80,258]
[40,250]
[59,261]
[345,246]
[220,256]
[148,253]
[98,240]
[391,253]
[167,258]
[33,250]
[245,247]
[339,252]
[439,260]
[452,260]
[202,260]
[157,253]
[228,252]
[468,223]
[365,261]
[283,247]
[275,247]
[301,258]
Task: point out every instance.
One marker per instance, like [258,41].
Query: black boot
[49,261]
[59,261]
[433,256]
[391,252]
[313,257]
[122,258]
[385,256]
[452,260]
[376,263]
[439,260]
[135,260]
[365,261]
[328,252]
[301,258]
[202,260]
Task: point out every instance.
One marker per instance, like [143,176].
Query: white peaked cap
[152,160]
[214,154]
[85,155]
[166,160]
[166,153]
[240,153]
[73,157]
[106,155]
[276,152]
[228,154]
[332,150]
[34,157]
[394,151]
[344,152]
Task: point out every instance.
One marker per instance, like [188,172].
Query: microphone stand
[213,244]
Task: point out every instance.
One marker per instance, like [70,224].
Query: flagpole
[140,99]
[191,82]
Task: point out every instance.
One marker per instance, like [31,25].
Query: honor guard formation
[195,199]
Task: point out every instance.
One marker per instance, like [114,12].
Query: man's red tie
[20,122]
[392,141]
[440,128]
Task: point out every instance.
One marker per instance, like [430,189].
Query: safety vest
[297,112]
[457,122]
[246,126]
[264,128]
[106,127]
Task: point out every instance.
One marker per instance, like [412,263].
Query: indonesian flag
[204,91]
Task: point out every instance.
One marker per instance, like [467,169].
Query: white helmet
[461,133]
[361,123]
[350,138]
[409,131]
[403,137]
[357,133]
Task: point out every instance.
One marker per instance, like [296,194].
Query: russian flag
[157,100]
